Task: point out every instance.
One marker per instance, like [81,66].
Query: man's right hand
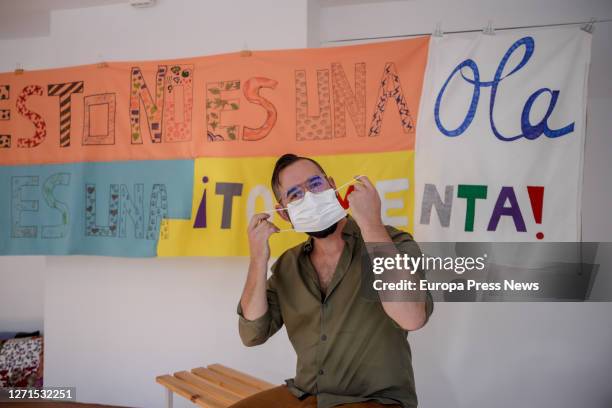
[259,232]
[253,300]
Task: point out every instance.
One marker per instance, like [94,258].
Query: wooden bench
[214,386]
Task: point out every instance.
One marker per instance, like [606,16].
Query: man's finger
[273,227]
[366,181]
[257,218]
[359,187]
[266,227]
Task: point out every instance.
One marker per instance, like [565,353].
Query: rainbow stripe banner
[452,131]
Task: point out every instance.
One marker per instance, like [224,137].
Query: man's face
[299,177]
[295,180]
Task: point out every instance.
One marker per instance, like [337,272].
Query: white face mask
[315,211]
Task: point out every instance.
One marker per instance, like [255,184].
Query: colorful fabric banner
[173,157]
[111,208]
[314,101]
[500,138]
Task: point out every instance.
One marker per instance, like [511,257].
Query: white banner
[500,137]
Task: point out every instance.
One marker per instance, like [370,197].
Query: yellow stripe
[254,174]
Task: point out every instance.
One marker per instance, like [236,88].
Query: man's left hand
[365,204]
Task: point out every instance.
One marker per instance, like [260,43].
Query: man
[350,351]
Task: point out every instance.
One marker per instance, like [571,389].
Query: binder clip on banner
[245,52]
[489,30]
[589,27]
[438,30]
[19,69]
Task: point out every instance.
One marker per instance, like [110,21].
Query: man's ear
[331,182]
[283,213]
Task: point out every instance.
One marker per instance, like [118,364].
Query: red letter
[251,93]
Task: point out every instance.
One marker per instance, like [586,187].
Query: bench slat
[210,389]
[242,377]
[223,381]
[188,391]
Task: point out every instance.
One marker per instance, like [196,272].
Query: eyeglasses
[314,184]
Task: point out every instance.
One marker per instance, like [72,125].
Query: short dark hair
[283,162]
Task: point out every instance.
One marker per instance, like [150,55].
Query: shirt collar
[350,229]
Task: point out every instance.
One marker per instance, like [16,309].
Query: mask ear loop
[271,212]
[349,182]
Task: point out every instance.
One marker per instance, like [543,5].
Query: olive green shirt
[348,349]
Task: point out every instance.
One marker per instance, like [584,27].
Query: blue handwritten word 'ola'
[529,131]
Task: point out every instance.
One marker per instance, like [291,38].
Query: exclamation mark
[200,220]
[536,196]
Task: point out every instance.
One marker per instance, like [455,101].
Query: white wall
[113,324]
[171,29]
[22,287]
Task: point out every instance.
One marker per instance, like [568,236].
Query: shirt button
[323,337]
[321,372]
